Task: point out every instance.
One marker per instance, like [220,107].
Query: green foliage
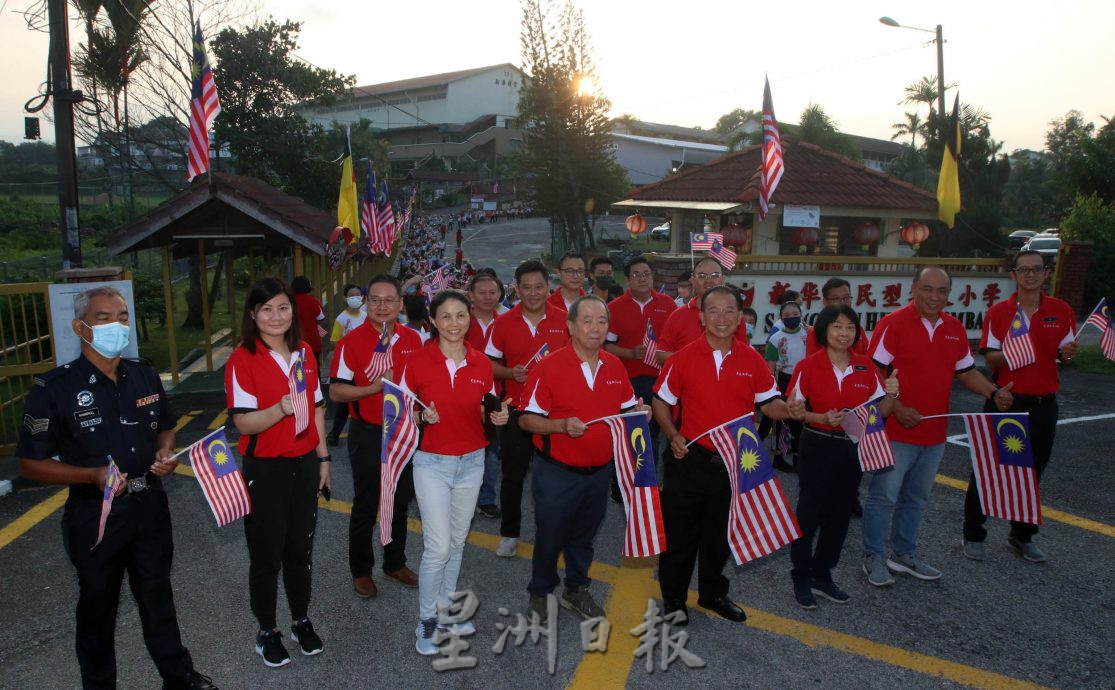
[730,121]
[1091,218]
[28,161]
[1081,159]
[816,127]
[1028,193]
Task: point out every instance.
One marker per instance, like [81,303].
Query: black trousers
[340,416]
[364,453]
[828,484]
[137,540]
[1043,430]
[696,497]
[280,533]
[515,450]
[767,425]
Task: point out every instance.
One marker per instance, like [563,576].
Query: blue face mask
[750,330]
[791,322]
[110,339]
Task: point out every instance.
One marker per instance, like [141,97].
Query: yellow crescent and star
[639,444]
[1013,443]
[872,414]
[391,399]
[218,450]
[1017,325]
[748,458]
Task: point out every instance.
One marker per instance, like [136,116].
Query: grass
[1090,360]
[157,347]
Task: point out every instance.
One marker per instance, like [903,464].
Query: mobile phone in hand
[326,493]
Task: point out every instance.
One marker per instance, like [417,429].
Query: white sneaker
[507,546]
[425,637]
[458,629]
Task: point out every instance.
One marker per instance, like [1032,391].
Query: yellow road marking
[219,420]
[185,419]
[37,514]
[1046,512]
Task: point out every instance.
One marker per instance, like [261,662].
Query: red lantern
[636,224]
[914,234]
[735,235]
[866,234]
[803,238]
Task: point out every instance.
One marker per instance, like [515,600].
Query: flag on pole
[220,479]
[1018,348]
[369,216]
[204,108]
[638,484]
[400,440]
[702,241]
[948,184]
[113,481]
[1003,465]
[299,398]
[1101,319]
[436,281]
[760,520]
[650,342]
[381,358]
[348,216]
[785,440]
[724,256]
[772,165]
[867,429]
[538,356]
[387,218]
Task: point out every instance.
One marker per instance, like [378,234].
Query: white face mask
[354,302]
[110,339]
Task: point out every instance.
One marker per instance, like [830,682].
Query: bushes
[1092,219]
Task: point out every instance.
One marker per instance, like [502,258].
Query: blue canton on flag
[220,479]
[638,482]
[1003,465]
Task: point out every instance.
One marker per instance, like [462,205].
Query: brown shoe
[365,587]
[405,576]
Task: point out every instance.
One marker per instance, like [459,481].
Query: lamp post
[940,41]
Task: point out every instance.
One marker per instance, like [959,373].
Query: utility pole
[64,97]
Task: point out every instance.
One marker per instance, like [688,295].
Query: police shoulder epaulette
[47,376]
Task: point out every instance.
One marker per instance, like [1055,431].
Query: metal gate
[25,350]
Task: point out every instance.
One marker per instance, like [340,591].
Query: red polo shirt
[256,381]
[684,326]
[712,389]
[928,357]
[558,301]
[309,313]
[478,332]
[563,386]
[353,355]
[817,381]
[627,325]
[514,340]
[1051,326]
[456,392]
[860,348]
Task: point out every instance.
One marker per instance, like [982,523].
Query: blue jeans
[446,487]
[491,474]
[896,499]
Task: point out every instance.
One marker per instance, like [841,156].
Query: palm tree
[913,126]
[923,90]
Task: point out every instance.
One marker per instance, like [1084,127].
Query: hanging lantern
[737,236]
[636,224]
[866,234]
[914,234]
[707,226]
[803,238]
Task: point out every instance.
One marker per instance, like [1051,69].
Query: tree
[565,124]
[1081,159]
[816,127]
[912,127]
[1028,192]
[1091,218]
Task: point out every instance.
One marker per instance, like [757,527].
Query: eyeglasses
[640,274]
[573,271]
[707,276]
[729,312]
[1030,270]
[841,300]
[385,301]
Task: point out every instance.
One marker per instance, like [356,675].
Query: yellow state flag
[348,216]
[948,184]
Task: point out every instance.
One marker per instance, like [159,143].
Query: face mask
[110,339]
[604,282]
[750,330]
[411,289]
[354,302]
[791,322]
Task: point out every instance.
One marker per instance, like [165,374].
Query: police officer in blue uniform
[76,416]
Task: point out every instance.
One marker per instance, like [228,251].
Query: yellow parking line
[185,419]
[37,514]
[1046,512]
[219,420]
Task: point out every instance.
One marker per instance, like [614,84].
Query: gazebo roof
[236,211]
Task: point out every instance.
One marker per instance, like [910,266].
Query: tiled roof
[813,176]
[426,81]
[443,176]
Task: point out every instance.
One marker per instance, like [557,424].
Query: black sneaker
[489,510]
[303,633]
[804,596]
[829,590]
[194,681]
[269,645]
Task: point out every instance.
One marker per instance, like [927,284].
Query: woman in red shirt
[310,315]
[283,468]
[450,378]
[824,386]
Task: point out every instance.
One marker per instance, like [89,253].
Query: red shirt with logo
[256,381]
[712,388]
[353,355]
[309,313]
[684,326]
[456,391]
[927,357]
[514,340]
[824,387]
[478,332]
[558,301]
[627,326]
[562,386]
[1051,326]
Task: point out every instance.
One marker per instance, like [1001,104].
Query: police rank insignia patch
[84,399]
[35,426]
[150,399]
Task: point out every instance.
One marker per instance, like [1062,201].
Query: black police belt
[140,484]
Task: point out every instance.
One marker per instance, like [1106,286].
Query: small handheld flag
[400,440]
[724,256]
[702,241]
[1101,319]
[381,358]
[1018,348]
[650,342]
[113,481]
[540,355]
[220,479]
[638,483]
[298,395]
[1003,465]
[866,427]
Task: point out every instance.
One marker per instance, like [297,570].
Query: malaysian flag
[702,241]
[866,427]
[650,342]
[387,219]
[204,107]
[1003,464]
[784,440]
[436,281]
[723,255]
[113,481]
[369,217]
[400,440]
[760,520]
[381,358]
[771,167]
[1018,348]
[299,398]
[1101,319]
[538,356]
[638,484]
[220,479]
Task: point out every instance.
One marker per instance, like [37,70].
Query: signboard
[801,216]
[67,346]
[477,202]
[873,297]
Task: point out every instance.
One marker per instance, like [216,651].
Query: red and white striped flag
[540,355]
[369,215]
[1101,319]
[380,362]
[220,479]
[650,342]
[400,440]
[1018,348]
[724,256]
[866,427]
[771,166]
[638,484]
[204,107]
[436,281]
[299,398]
[1003,464]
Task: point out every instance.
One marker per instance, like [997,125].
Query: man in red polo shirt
[714,379]
[577,384]
[571,280]
[837,292]
[684,324]
[353,360]
[515,346]
[928,348]
[1052,331]
[485,291]
[629,315]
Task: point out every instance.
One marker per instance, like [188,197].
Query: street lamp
[940,41]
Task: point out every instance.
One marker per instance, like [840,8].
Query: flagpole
[424,406]
[702,435]
[618,416]
[211,433]
[969,414]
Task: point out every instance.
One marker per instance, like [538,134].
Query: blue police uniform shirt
[81,416]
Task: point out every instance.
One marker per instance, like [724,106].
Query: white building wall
[495,92]
[647,161]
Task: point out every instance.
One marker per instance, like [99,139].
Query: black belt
[367,425]
[831,434]
[1035,399]
[576,469]
[708,454]
[133,485]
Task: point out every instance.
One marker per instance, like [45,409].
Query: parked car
[661,232]
[1016,239]
[1046,245]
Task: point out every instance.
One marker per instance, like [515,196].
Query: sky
[687,63]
